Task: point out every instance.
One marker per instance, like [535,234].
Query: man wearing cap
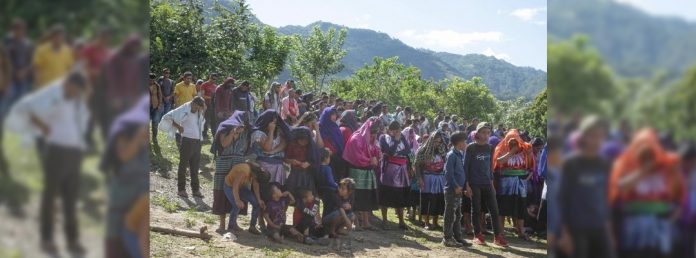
[479,183]
[185,90]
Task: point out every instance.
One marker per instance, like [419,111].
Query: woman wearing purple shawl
[268,141]
[126,163]
[230,146]
[362,155]
[333,140]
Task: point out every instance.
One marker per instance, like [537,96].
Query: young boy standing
[479,183]
[454,189]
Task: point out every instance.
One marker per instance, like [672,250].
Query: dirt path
[167,209]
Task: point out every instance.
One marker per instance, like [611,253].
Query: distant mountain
[633,42]
[503,79]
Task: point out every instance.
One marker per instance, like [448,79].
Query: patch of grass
[284,253]
[168,205]
[9,253]
[190,222]
[210,219]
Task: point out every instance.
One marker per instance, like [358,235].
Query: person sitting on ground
[275,215]
[338,209]
[307,219]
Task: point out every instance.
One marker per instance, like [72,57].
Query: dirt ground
[169,210]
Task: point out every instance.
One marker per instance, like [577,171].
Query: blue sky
[511,30]
[685,9]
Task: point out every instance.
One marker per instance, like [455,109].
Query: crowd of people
[289,149]
[53,94]
[619,193]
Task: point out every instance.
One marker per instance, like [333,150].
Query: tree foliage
[580,80]
[389,81]
[82,18]
[227,41]
[318,56]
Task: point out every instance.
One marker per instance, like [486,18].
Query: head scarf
[360,148]
[266,117]
[504,147]
[426,152]
[628,162]
[303,132]
[238,119]
[329,129]
[410,134]
[348,120]
[125,124]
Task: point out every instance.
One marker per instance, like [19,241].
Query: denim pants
[453,215]
[246,195]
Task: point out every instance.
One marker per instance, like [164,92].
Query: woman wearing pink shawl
[362,154]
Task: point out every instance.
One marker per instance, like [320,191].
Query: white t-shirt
[64,125]
[191,125]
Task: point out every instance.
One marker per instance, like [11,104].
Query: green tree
[673,111]
[269,51]
[317,57]
[469,98]
[228,36]
[579,79]
[391,82]
[176,37]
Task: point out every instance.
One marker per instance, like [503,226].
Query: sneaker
[254,231]
[479,239]
[183,194]
[463,242]
[499,240]
[198,194]
[451,243]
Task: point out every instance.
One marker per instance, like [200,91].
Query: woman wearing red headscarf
[646,189]
[512,162]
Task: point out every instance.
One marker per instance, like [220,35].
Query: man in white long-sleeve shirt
[57,116]
[187,121]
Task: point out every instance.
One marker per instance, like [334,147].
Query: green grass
[190,222]
[168,205]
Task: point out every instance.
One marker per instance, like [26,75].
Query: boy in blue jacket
[454,189]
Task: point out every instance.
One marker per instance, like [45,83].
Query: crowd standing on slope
[285,149]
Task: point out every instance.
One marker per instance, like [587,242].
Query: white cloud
[527,14]
[448,38]
[490,52]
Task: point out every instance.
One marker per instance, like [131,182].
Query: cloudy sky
[511,30]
